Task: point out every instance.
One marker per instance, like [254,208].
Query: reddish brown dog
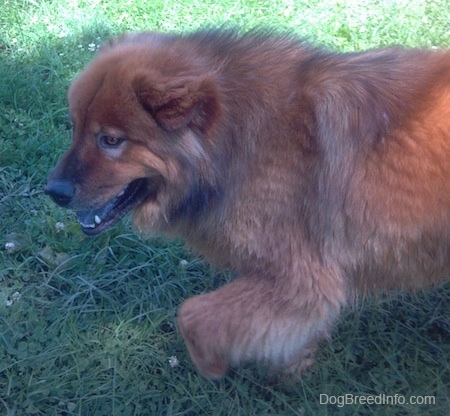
[314,175]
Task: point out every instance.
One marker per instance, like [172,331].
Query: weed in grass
[87,325]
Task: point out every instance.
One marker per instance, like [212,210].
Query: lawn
[87,325]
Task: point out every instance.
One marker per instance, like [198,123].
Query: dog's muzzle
[60,191]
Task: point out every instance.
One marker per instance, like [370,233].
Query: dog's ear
[184,102]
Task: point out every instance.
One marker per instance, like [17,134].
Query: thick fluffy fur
[314,175]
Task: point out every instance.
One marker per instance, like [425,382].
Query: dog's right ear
[190,102]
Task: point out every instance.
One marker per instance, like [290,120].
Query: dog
[315,176]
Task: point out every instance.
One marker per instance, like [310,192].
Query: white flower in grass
[173,361]
[59,226]
[10,247]
[183,263]
[93,47]
[13,298]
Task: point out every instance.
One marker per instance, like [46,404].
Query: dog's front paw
[202,328]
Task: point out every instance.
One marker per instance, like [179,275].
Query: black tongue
[97,220]
[94,218]
[88,219]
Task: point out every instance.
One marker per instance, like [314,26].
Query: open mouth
[99,220]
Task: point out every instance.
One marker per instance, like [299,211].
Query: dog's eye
[110,141]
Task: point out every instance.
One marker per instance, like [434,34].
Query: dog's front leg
[259,319]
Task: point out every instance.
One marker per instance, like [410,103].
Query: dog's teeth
[97,219]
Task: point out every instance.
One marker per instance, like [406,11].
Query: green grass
[87,325]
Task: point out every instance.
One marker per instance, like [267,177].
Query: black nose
[60,191]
